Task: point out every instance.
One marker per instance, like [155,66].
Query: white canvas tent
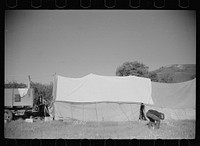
[112,98]
[97,98]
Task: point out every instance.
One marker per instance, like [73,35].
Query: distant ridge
[177,72]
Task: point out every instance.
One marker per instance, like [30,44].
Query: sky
[75,43]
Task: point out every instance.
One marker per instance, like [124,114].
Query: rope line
[176,114]
[123,112]
[186,114]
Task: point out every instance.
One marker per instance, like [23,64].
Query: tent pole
[96,111]
[71,111]
[83,112]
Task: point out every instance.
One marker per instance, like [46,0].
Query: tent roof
[96,88]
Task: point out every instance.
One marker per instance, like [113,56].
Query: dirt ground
[98,130]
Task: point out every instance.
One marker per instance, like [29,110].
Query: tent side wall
[175,95]
[114,111]
[97,111]
[176,100]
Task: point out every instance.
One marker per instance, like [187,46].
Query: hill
[176,73]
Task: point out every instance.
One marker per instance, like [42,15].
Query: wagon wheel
[36,108]
[8,115]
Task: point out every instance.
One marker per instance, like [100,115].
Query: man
[142,112]
[154,117]
[41,106]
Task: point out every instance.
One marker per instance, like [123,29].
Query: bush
[132,68]
[137,69]
[15,85]
[42,89]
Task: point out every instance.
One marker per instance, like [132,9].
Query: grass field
[98,130]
